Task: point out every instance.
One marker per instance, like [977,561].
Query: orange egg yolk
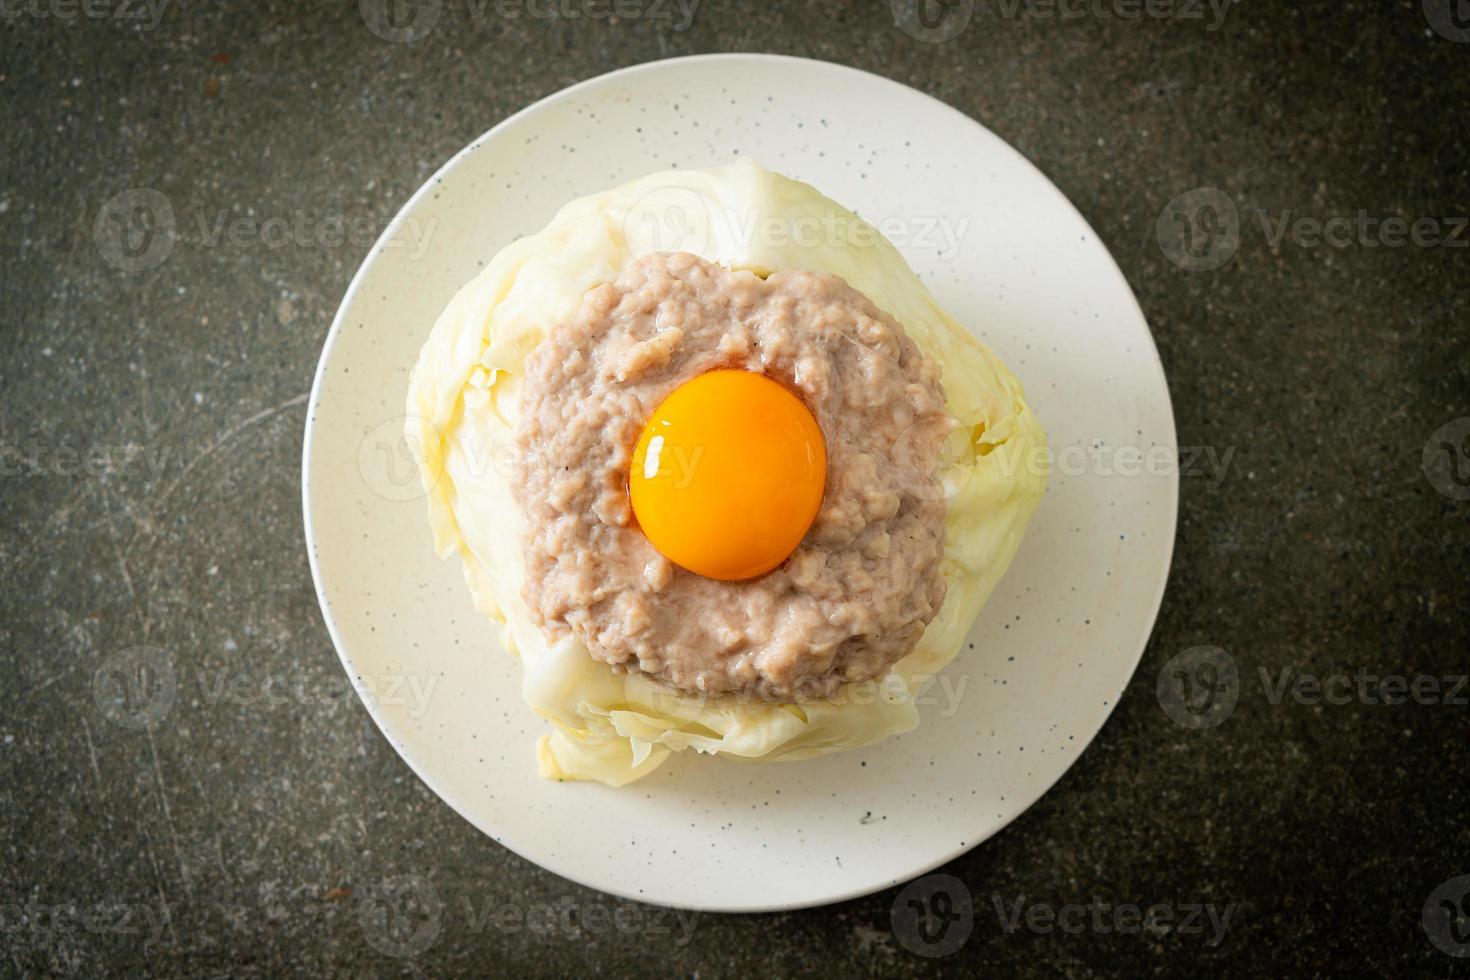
[728,475]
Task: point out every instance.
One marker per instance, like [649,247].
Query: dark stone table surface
[151,440]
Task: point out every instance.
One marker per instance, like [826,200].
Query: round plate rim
[335,332]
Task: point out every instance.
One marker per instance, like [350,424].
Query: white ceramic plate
[1044,665]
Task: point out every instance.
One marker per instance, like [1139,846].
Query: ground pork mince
[859,590]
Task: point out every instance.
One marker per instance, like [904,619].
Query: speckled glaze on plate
[1003,250]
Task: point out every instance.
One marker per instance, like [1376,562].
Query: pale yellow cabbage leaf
[462,409]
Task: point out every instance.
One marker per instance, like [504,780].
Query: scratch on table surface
[226,436]
[219,850]
[50,680]
[142,526]
[83,488]
[168,817]
[162,896]
[147,399]
[122,563]
[139,606]
[91,750]
[139,524]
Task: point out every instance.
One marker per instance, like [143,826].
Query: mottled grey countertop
[150,464]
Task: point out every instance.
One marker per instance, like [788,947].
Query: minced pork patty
[864,583]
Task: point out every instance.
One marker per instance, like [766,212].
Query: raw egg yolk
[728,475]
